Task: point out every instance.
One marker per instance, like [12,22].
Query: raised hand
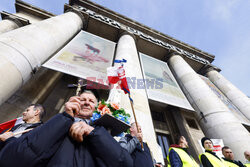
[80,129]
[73,107]
[6,135]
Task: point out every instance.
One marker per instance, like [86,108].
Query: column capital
[19,24]
[78,12]
[208,67]
[212,68]
[16,19]
[173,53]
[170,54]
[123,32]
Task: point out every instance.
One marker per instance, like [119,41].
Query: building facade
[190,98]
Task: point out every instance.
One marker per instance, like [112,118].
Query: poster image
[169,92]
[86,55]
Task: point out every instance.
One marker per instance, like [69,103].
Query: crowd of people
[69,140]
[179,156]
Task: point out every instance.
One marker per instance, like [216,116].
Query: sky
[219,27]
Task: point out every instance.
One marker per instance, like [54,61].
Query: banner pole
[131,103]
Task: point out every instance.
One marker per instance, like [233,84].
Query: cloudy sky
[219,27]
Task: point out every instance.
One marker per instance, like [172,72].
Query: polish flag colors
[117,75]
[10,124]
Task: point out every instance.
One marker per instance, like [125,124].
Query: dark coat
[2,144]
[174,158]
[141,158]
[50,145]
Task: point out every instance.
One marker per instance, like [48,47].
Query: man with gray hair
[131,143]
[67,139]
[31,118]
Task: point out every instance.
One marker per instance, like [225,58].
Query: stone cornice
[137,33]
[22,6]
[135,25]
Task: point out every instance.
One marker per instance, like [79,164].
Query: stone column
[8,25]
[238,98]
[24,49]
[126,49]
[214,117]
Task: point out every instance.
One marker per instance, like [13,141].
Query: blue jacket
[174,158]
[50,145]
[141,158]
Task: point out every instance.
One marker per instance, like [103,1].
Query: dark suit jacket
[13,129]
[50,145]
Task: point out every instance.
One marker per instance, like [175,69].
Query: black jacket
[50,145]
[205,161]
[2,143]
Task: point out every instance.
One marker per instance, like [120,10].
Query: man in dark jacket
[178,155]
[209,158]
[131,142]
[67,140]
[229,157]
[32,117]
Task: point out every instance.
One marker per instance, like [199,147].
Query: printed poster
[160,83]
[86,55]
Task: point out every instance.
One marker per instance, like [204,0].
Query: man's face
[87,103]
[208,145]
[183,142]
[133,129]
[247,155]
[29,113]
[228,154]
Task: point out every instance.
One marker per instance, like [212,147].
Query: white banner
[160,83]
[85,56]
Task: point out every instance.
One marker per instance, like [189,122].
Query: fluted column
[214,117]
[238,98]
[126,49]
[8,25]
[26,48]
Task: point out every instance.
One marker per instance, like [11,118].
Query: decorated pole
[136,124]
[117,74]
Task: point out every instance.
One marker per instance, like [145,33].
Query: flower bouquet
[110,116]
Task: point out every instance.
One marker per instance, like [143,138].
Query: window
[163,141]
[192,123]
[158,116]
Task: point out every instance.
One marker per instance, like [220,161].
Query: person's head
[227,153]
[133,129]
[34,113]
[247,155]
[181,141]
[207,143]
[88,104]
